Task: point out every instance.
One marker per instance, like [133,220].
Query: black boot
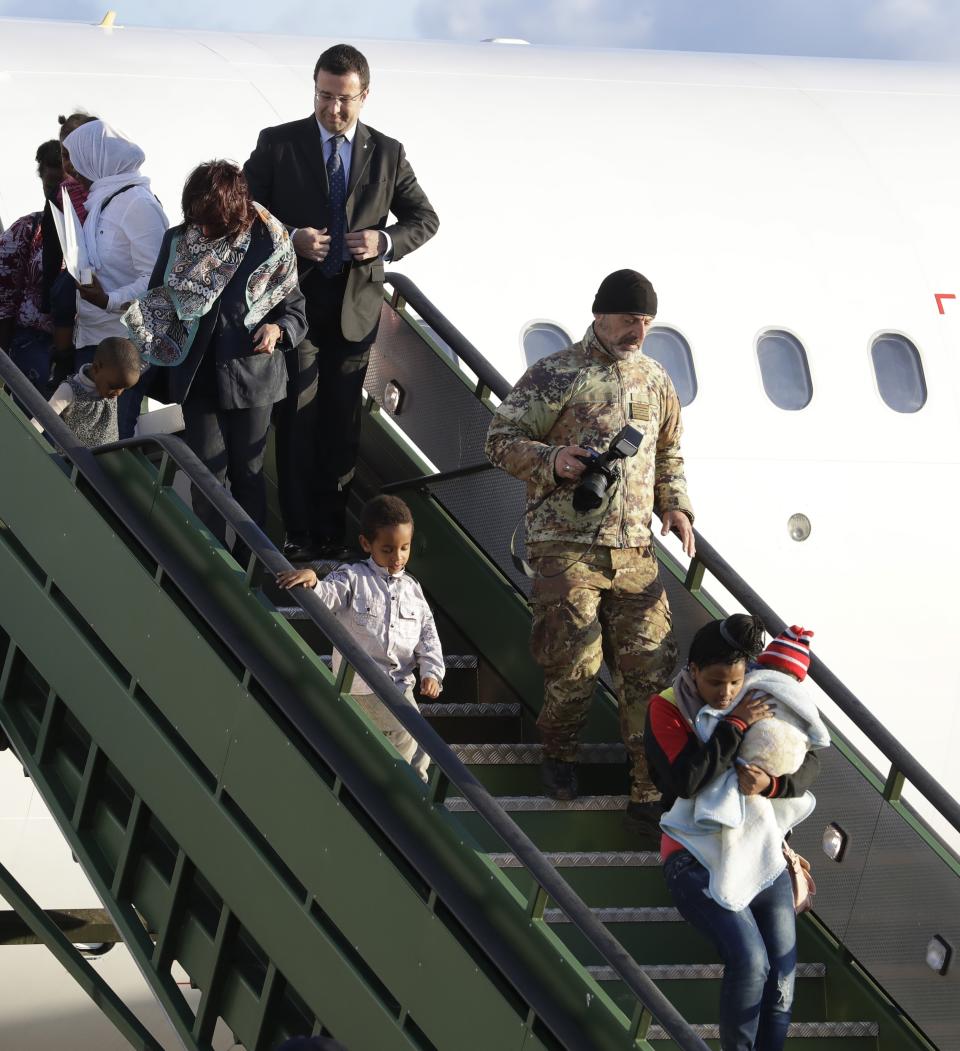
[644,818]
[559,779]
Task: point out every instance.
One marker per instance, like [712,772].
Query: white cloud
[852,28]
[375,18]
[588,22]
[908,29]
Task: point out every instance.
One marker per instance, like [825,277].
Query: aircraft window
[541,338]
[667,346]
[899,372]
[784,370]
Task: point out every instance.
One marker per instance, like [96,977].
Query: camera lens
[588,495]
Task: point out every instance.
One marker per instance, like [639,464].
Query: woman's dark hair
[738,638]
[48,154]
[342,59]
[71,123]
[216,195]
[383,511]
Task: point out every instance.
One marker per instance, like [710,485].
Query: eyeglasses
[344,100]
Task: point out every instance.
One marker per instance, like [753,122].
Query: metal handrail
[852,707]
[423,480]
[902,762]
[461,346]
[548,881]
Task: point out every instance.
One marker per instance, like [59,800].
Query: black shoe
[559,779]
[301,550]
[644,818]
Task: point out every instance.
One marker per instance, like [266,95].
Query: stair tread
[509,754]
[585,859]
[623,914]
[797,1030]
[470,710]
[545,803]
[688,971]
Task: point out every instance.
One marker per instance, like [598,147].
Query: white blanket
[739,838]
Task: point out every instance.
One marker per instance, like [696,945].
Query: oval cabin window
[667,346]
[784,370]
[899,372]
[541,338]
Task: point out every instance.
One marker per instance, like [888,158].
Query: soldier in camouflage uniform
[597,592]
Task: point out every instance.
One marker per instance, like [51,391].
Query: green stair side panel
[149,728]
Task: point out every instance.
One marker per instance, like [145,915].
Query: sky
[888,29]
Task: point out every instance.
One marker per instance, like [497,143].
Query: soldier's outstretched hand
[677,522]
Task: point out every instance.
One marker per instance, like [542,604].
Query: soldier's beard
[624,352]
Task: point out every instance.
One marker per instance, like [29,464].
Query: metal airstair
[239,815]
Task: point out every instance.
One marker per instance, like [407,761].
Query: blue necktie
[338,216]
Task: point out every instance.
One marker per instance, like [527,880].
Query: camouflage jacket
[583,396]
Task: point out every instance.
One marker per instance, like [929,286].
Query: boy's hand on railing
[292,578]
[429,686]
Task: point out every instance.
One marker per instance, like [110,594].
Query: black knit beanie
[625,292]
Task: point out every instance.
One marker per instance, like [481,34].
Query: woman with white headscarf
[122,234]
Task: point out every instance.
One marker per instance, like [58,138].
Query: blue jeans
[31,351]
[758,946]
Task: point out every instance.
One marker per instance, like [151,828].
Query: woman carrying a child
[223,306]
[722,847]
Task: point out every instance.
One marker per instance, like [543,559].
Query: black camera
[601,469]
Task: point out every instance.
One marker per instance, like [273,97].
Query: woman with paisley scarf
[222,307]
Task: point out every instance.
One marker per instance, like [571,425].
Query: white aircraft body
[816,198]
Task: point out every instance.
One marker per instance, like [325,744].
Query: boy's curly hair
[383,511]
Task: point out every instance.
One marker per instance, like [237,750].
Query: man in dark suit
[333,181]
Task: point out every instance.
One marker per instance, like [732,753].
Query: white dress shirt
[129,234]
[388,617]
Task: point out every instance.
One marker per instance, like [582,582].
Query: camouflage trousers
[611,607]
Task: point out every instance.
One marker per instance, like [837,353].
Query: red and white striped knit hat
[789,652]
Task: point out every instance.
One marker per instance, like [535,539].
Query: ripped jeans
[758,946]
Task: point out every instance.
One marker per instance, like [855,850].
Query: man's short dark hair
[383,511]
[118,353]
[342,59]
[48,154]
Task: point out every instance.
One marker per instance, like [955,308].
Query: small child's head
[115,368]
[386,532]
[718,657]
[789,653]
[774,745]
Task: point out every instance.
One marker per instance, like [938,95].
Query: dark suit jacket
[287,175]
[243,379]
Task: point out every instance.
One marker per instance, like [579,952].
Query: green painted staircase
[237,813]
